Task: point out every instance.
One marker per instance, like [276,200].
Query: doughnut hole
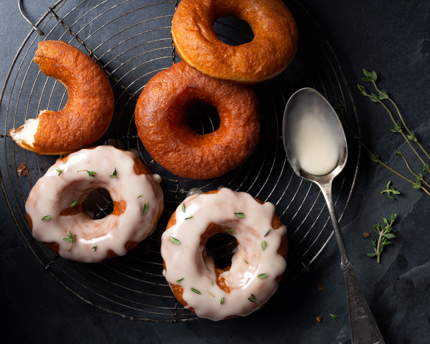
[99,204]
[221,248]
[203,118]
[233,31]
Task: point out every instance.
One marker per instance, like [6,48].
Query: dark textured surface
[391,37]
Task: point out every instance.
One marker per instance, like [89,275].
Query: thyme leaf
[240,215]
[114,174]
[174,240]
[46,218]
[145,208]
[59,170]
[196,291]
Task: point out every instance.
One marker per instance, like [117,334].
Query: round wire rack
[131,41]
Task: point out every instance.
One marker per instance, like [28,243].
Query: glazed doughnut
[55,206]
[256,267]
[162,127]
[88,111]
[268,54]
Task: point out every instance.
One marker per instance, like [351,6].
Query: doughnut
[160,117]
[268,54]
[256,267]
[56,211]
[88,111]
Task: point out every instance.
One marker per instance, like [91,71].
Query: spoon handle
[363,326]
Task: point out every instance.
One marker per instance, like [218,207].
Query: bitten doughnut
[88,111]
[162,127]
[268,54]
[256,267]
[56,212]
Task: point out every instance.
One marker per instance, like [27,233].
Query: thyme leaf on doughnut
[145,208]
[268,232]
[222,301]
[179,280]
[90,173]
[261,276]
[212,283]
[263,245]
[230,230]
[196,291]
[245,261]
[183,207]
[187,218]
[253,299]
[73,204]
[240,215]
[139,196]
[59,170]
[114,174]
[94,248]
[71,239]
[174,240]
[46,218]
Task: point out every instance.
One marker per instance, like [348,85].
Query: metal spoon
[306,102]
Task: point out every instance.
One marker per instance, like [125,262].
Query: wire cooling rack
[131,41]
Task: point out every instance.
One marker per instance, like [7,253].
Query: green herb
[114,174]
[73,204]
[71,239]
[187,218]
[90,173]
[261,276]
[175,241]
[212,283]
[94,248]
[59,170]
[245,261]
[222,301]
[384,234]
[46,218]
[139,196]
[183,207]
[179,280]
[268,232]
[382,98]
[334,317]
[145,208]
[390,191]
[196,291]
[253,299]
[240,215]
[263,245]
[230,230]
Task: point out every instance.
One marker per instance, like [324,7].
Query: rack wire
[131,41]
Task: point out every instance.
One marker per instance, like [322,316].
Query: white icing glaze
[54,193]
[186,261]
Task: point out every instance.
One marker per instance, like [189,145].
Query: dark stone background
[391,37]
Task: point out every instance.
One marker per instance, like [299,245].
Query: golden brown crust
[89,108]
[212,230]
[268,54]
[118,209]
[161,123]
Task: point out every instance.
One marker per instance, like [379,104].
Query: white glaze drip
[54,193]
[185,260]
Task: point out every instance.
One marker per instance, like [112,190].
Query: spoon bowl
[317,150]
[307,107]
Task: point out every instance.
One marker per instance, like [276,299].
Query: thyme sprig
[380,97]
[71,239]
[90,173]
[390,191]
[384,234]
[253,299]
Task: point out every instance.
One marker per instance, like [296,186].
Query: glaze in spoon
[316,148]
